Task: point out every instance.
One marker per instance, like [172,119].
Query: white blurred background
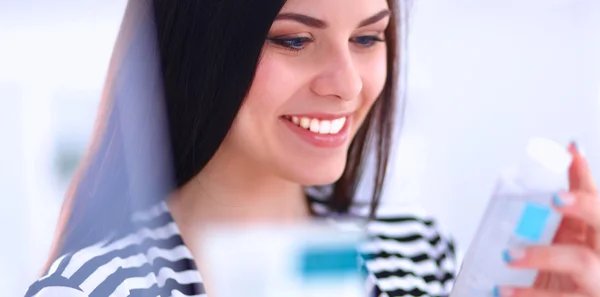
[483,77]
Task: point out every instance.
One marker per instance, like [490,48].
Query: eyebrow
[320,24]
[303,19]
[376,18]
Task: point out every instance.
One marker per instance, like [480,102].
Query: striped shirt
[406,255]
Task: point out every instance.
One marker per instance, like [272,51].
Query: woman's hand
[570,267]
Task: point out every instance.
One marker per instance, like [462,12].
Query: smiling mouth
[318,126]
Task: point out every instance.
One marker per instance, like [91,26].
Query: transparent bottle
[520,213]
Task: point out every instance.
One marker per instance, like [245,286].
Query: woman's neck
[235,191]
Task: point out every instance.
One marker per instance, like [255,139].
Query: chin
[319,175]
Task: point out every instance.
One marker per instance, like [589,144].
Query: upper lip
[321,116]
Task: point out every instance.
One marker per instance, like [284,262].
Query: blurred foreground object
[308,260]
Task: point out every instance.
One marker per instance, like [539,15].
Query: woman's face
[323,66]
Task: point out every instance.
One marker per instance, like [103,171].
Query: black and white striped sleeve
[53,284]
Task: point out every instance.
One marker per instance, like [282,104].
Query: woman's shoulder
[68,273]
[408,252]
[112,266]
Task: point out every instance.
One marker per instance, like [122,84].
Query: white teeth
[337,125]
[320,126]
[304,122]
[325,127]
[314,125]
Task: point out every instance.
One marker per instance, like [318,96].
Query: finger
[592,239]
[580,176]
[580,205]
[529,292]
[578,262]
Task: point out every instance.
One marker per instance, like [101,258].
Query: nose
[338,77]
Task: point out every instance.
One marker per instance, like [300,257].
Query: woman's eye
[295,43]
[366,41]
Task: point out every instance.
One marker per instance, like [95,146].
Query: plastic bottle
[520,213]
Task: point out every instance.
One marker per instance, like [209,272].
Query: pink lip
[321,116]
[321,140]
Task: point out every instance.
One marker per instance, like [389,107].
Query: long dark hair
[208,53]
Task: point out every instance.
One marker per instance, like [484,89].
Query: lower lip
[321,140]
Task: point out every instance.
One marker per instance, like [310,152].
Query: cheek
[264,103]
[271,88]
[374,75]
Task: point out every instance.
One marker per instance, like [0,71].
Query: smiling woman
[271,120]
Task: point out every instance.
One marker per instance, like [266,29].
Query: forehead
[336,10]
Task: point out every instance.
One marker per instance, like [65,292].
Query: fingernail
[502,292]
[563,199]
[496,291]
[513,254]
[575,147]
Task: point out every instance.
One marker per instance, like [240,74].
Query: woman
[264,99]
[316,79]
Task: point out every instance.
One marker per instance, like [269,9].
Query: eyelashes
[367,41]
[292,43]
[299,43]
